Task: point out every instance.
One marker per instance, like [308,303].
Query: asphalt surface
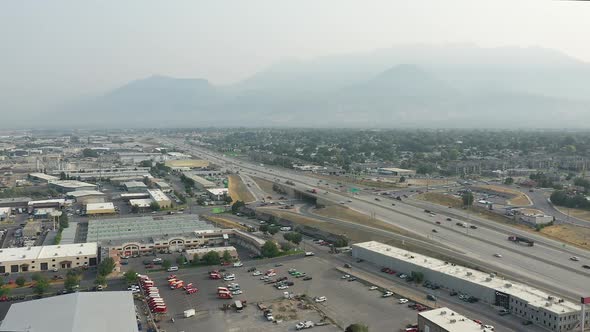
[546,265]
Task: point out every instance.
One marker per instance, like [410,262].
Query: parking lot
[347,301]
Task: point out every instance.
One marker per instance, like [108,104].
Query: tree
[63,221]
[235,208]
[89,153]
[20,281]
[402,179]
[340,242]
[154,206]
[417,276]
[166,264]
[62,176]
[508,181]
[145,163]
[294,237]
[263,228]
[41,286]
[227,256]
[212,258]
[270,249]
[273,230]
[467,198]
[71,282]
[130,276]
[286,246]
[100,280]
[106,266]
[357,327]
[180,260]
[36,276]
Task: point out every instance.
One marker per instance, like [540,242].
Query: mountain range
[458,86]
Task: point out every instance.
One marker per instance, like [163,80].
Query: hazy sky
[55,51]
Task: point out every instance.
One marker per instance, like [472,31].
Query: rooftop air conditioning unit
[469,273]
[443,312]
[453,321]
[488,279]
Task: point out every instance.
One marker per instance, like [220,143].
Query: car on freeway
[387,294]
[489,327]
[403,301]
[586,266]
[574,258]
[373,288]
[449,219]
[320,299]
[438,222]
[282,287]
[473,227]
[307,278]
[256,273]
[497,255]
[352,279]
[434,231]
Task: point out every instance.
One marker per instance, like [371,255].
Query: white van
[173,268]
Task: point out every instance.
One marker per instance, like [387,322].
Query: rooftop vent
[488,279]
[549,298]
[468,273]
[453,321]
[23,256]
[81,244]
[507,285]
[547,304]
[443,312]
[55,254]
[28,248]
[79,253]
[388,249]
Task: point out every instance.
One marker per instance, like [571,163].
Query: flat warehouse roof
[100,206]
[533,296]
[143,227]
[158,195]
[451,321]
[45,252]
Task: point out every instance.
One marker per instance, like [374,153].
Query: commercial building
[141,203]
[131,158]
[16,202]
[446,320]
[135,186]
[159,197]
[396,171]
[546,310]
[56,203]
[43,258]
[130,196]
[65,186]
[200,182]
[86,196]
[189,163]
[93,209]
[191,254]
[42,177]
[162,185]
[5,213]
[76,312]
[106,173]
[217,194]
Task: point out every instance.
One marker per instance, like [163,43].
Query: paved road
[546,264]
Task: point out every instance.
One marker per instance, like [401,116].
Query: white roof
[43,252]
[78,312]
[100,206]
[55,200]
[134,184]
[5,210]
[158,195]
[200,251]
[72,184]
[43,176]
[451,321]
[82,193]
[218,191]
[533,296]
[143,202]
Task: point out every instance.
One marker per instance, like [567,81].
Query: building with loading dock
[44,258]
[546,310]
[446,320]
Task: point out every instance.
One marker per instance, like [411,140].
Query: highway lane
[545,265]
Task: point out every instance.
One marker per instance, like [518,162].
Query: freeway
[546,265]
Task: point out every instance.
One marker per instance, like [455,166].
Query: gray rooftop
[76,312]
[143,227]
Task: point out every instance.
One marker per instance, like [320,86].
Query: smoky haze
[332,63]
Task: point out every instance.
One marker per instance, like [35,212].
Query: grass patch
[238,190]
[224,222]
[576,213]
[575,235]
[515,197]
[265,185]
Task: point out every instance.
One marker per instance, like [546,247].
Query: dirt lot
[238,190]
[428,182]
[577,213]
[224,222]
[579,236]
[455,202]
[265,185]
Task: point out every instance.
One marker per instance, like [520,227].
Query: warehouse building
[200,182]
[187,163]
[543,309]
[446,320]
[16,202]
[396,171]
[141,203]
[106,173]
[86,196]
[130,196]
[217,194]
[94,209]
[162,185]
[94,312]
[65,186]
[159,197]
[44,258]
[191,254]
[135,186]
[42,177]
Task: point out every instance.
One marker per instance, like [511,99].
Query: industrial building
[543,309]
[159,197]
[94,312]
[135,186]
[65,186]
[16,202]
[446,320]
[106,173]
[396,171]
[43,258]
[217,194]
[189,163]
[130,196]
[200,182]
[42,177]
[191,254]
[93,209]
[162,185]
[141,203]
[86,196]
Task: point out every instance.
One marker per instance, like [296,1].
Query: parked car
[320,299]
[387,294]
